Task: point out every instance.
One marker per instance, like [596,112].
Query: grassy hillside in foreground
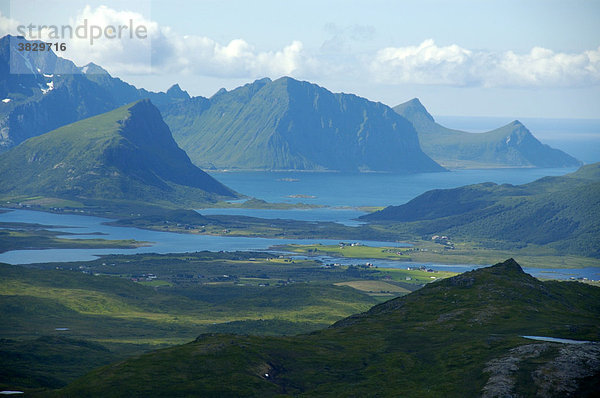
[124,155]
[512,145]
[562,213]
[103,316]
[455,338]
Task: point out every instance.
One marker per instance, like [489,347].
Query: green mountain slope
[454,338]
[511,145]
[125,154]
[109,317]
[289,124]
[41,92]
[562,212]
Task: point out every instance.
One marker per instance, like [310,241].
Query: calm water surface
[366,189]
[343,192]
[163,242]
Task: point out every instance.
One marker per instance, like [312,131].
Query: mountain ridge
[125,154]
[511,145]
[42,92]
[454,329]
[558,212]
[289,124]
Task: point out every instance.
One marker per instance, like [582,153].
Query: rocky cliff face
[289,124]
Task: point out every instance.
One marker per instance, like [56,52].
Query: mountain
[290,124]
[459,337]
[125,154]
[41,92]
[560,212]
[511,145]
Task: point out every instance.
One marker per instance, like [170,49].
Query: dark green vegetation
[559,213]
[190,221]
[454,338]
[289,124]
[126,154]
[176,297]
[511,145]
[18,236]
[50,92]
[49,361]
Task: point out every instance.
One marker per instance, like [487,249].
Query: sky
[507,58]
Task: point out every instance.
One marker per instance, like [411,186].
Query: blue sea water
[340,191]
[365,189]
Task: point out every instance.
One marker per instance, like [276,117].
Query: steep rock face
[127,153]
[41,92]
[289,124]
[511,145]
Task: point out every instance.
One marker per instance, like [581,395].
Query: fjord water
[366,189]
[166,242]
[340,190]
[162,242]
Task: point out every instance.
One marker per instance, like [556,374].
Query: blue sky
[473,58]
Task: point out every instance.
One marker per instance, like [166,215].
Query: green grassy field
[375,288]
[426,251]
[437,341]
[360,251]
[99,314]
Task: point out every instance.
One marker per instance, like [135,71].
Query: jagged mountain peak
[52,91]
[510,145]
[290,124]
[175,91]
[126,154]
[508,266]
[92,68]
[413,109]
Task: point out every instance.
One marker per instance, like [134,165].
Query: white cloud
[128,52]
[165,51]
[7,25]
[238,58]
[423,64]
[453,65]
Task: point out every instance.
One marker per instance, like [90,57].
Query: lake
[341,191]
[163,242]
